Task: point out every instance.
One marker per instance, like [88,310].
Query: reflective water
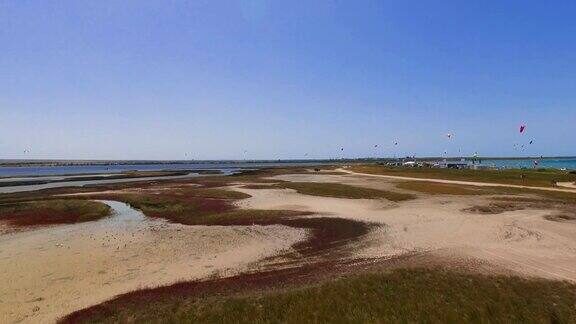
[12,189]
[98,169]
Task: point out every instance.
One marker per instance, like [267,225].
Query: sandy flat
[570,185]
[47,273]
[521,241]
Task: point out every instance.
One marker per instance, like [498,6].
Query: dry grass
[337,190]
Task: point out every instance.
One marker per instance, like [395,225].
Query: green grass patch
[53,212]
[338,190]
[533,178]
[401,296]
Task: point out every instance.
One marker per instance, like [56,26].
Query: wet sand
[49,272]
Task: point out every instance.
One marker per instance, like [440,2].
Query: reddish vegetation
[189,290]
[187,210]
[39,217]
[328,235]
[52,212]
[315,257]
[210,205]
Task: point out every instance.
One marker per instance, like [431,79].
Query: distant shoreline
[232,163]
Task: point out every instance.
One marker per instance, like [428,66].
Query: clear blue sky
[210,79]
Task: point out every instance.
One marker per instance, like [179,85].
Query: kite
[522,128]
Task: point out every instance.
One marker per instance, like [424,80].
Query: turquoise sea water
[568,163]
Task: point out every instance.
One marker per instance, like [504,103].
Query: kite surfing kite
[522,128]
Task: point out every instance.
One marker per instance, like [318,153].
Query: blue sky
[279,79]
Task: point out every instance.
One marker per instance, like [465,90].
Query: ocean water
[567,163]
[563,163]
[104,169]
